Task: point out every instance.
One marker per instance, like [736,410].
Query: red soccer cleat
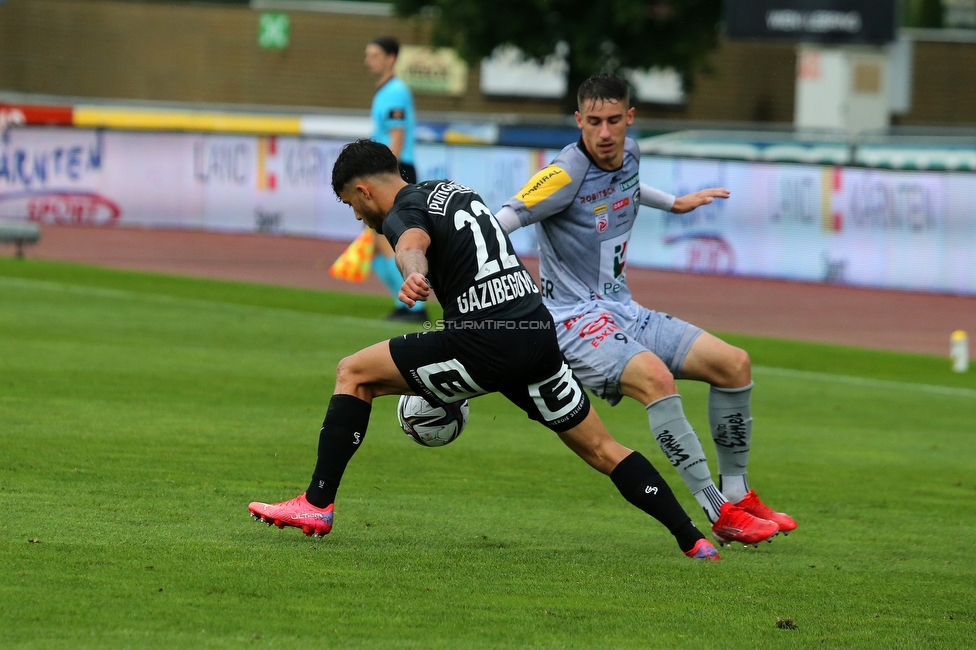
[298,513]
[751,504]
[736,525]
[703,551]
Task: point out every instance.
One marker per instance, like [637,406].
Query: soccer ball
[429,425]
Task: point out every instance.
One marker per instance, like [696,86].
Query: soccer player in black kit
[497,337]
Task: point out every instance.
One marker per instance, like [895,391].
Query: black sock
[643,487]
[342,433]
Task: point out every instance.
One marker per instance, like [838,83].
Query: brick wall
[944,84]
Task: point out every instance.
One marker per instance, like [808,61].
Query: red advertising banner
[28,115]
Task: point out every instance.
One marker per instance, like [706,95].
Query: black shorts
[518,358]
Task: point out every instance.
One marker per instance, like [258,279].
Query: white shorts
[599,343]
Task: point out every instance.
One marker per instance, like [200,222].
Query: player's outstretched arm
[411,259]
[508,219]
[689,202]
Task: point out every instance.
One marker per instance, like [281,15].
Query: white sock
[711,500]
[733,486]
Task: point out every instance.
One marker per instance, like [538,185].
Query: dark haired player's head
[601,88]
[388,44]
[366,177]
[362,159]
[603,117]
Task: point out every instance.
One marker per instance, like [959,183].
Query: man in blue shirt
[393,125]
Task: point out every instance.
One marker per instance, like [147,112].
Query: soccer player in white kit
[583,206]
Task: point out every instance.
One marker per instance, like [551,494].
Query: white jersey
[583,217]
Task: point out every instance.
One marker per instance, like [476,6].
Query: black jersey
[473,267]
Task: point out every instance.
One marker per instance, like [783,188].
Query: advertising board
[847,225]
[912,230]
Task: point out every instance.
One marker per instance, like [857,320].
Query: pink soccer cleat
[736,525]
[703,551]
[751,504]
[299,513]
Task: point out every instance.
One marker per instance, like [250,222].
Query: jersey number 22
[486,266]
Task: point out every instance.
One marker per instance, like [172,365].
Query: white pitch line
[864,381]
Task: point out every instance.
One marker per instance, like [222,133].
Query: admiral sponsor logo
[630,182]
[622,203]
[496,291]
[598,195]
[438,199]
[544,184]
[600,209]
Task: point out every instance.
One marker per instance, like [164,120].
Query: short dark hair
[388,44]
[360,159]
[603,87]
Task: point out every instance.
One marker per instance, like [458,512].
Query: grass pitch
[139,414]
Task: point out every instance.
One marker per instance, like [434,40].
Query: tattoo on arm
[411,261]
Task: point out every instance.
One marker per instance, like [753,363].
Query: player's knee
[661,382]
[349,378]
[647,379]
[738,368]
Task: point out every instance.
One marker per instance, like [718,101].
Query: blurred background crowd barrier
[227,116]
